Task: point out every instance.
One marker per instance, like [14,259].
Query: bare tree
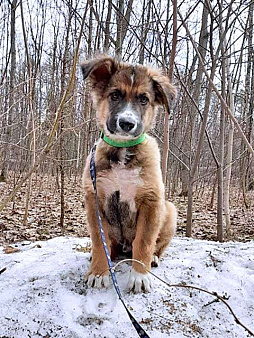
[9,116]
[210,72]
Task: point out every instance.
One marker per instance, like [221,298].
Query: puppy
[135,216]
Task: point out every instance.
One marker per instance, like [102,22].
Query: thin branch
[171,152]
[182,285]
[223,102]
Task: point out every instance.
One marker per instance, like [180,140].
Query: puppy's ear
[165,92]
[99,71]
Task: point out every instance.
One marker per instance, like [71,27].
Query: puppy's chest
[121,176]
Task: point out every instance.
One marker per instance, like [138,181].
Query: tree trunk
[228,176]
[202,48]
[107,26]
[90,32]
[13,62]
[9,119]
[198,155]
[222,133]
[144,30]
[32,136]
[122,21]
[62,142]
[119,22]
[229,155]
[250,96]
[170,75]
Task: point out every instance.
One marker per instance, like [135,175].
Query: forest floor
[44,213]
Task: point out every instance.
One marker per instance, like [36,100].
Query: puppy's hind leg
[166,233]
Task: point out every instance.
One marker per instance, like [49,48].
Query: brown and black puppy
[134,212]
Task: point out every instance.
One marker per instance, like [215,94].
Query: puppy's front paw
[97,281]
[139,282]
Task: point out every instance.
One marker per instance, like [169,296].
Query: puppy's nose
[126,124]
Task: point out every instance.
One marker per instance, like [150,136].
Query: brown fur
[128,179]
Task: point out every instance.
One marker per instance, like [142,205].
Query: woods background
[47,123]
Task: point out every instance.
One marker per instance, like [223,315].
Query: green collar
[123,144]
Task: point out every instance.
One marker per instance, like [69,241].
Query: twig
[214,294]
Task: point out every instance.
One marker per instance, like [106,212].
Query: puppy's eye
[143,99]
[115,96]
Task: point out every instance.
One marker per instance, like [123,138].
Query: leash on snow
[141,332]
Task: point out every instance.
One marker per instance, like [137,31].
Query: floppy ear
[165,92]
[99,71]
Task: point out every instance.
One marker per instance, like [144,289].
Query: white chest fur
[119,178]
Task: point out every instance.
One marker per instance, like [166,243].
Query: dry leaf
[38,246]
[87,248]
[10,249]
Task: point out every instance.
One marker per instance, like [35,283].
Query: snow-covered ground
[42,293]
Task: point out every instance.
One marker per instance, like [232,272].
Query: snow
[43,294]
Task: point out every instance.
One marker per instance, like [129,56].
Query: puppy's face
[125,96]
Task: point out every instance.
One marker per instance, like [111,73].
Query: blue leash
[141,332]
